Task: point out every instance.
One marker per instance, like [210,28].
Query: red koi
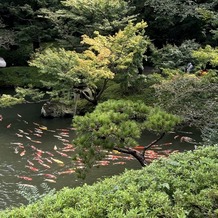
[32,168]
[50,176]
[25,178]
[49,153]
[62,154]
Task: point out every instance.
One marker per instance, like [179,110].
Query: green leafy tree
[116,125]
[194,99]
[27,22]
[206,55]
[6,36]
[79,17]
[173,21]
[173,56]
[108,57]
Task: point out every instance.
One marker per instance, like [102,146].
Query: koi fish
[57,161]
[49,161]
[102,163]
[36,124]
[35,141]
[119,163]
[55,148]
[50,180]
[57,136]
[1,117]
[19,115]
[33,147]
[32,168]
[45,165]
[139,147]
[49,153]
[25,178]
[30,163]
[70,149]
[28,137]
[23,153]
[43,127]
[63,130]
[38,131]
[68,146]
[66,172]
[18,135]
[25,122]
[62,154]
[169,143]
[8,126]
[64,140]
[38,135]
[50,176]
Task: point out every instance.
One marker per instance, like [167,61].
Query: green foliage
[117,123]
[8,100]
[193,98]
[173,56]
[125,52]
[183,185]
[119,55]
[79,17]
[207,55]
[21,76]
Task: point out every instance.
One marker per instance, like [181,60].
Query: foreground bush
[184,185]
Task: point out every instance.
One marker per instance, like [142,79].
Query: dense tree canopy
[115,56]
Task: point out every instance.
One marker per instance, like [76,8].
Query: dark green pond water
[36,150]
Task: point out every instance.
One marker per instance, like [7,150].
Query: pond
[35,150]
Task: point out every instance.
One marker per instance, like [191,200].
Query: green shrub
[184,185]
[20,76]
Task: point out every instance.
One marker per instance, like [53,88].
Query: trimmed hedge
[183,185]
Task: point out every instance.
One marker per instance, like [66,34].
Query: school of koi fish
[39,161]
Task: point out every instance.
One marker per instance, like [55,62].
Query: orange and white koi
[66,172]
[23,153]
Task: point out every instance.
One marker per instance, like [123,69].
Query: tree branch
[152,143]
